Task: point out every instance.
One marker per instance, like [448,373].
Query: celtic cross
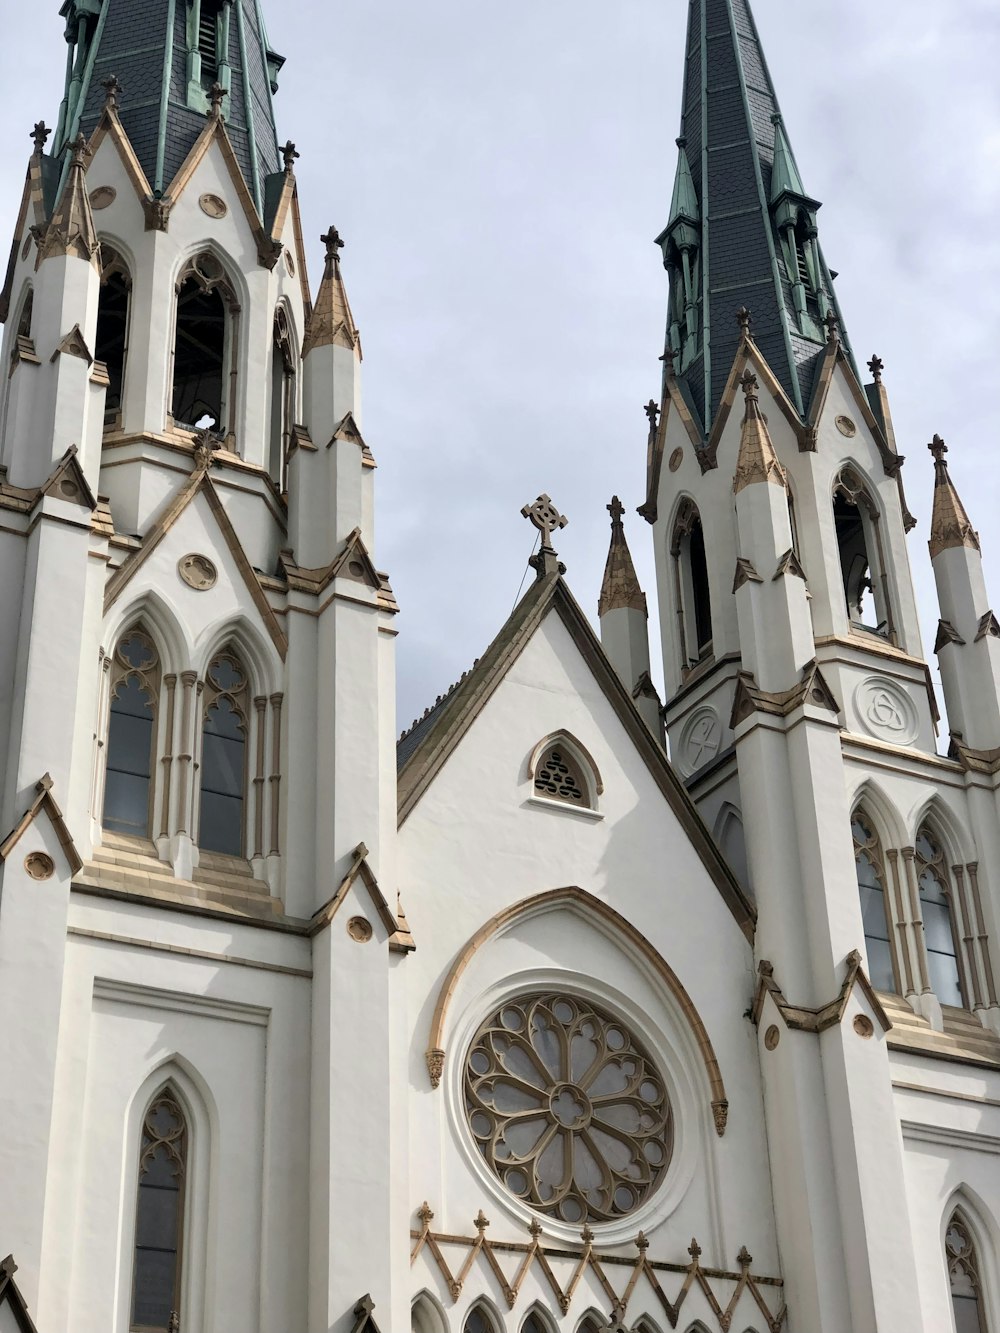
[546,518]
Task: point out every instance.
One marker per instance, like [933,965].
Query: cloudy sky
[499,172]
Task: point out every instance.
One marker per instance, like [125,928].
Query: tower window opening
[224,757]
[856,523]
[939,926]
[205,341]
[208,39]
[282,399]
[27,310]
[874,908]
[964,1278]
[159,1216]
[128,781]
[111,345]
[691,586]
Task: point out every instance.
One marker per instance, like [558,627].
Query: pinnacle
[332,323]
[620,588]
[757,459]
[950,523]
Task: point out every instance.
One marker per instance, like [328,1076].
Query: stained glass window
[223,757]
[939,933]
[128,777]
[871,886]
[963,1272]
[159,1221]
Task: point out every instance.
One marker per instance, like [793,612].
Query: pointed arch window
[159,1217]
[561,770]
[206,344]
[862,565]
[940,937]
[874,905]
[111,346]
[479,1320]
[27,312]
[534,1323]
[282,398]
[224,756]
[691,586]
[963,1273]
[135,690]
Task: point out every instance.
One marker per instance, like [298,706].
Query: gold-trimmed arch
[436,1053]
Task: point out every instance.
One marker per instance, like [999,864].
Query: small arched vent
[558,777]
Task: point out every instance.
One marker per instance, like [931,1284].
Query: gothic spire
[162,58]
[742,229]
[71,230]
[331,323]
[621,584]
[950,524]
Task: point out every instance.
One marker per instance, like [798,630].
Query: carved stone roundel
[103,197]
[359,929]
[846,426]
[701,740]
[198,572]
[568,1110]
[886,711]
[676,459]
[39,865]
[212,206]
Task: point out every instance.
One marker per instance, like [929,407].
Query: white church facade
[512,1023]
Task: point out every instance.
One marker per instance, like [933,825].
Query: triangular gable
[198,483]
[74,344]
[348,429]
[789,564]
[300,256]
[44,801]
[395,923]
[355,549]
[833,357]
[69,475]
[15,247]
[11,1298]
[748,353]
[364,1318]
[452,720]
[110,127]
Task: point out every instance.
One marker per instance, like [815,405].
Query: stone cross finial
[832,327]
[546,518]
[744,319]
[290,155]
[112,91]
[749,386]
[938,449]
[334,244]
[40,136]
[876,365]
[694,1250]
[652,410]
[481,1222]
[642,1242]
[744,1258]
[216,95]
[668,358]
[79,147]
[617,511]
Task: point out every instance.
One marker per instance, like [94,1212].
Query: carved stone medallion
[771,1037]
[846,426]
[359,929]
[701,740]
[676,459]
[886,711]
[39,865]
[212,206]
[863,1026]
[290,263]
[103,197]
[198,572]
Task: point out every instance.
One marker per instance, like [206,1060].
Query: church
[569,1009]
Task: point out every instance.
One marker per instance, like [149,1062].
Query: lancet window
[27,311]
[135,689]
[874,904]
[111,346]
[964,1276]
[940,935]
[691,586]
[159,1217]
[206,345]
[859,543]
[225,731]
[282,398]
[478,1321]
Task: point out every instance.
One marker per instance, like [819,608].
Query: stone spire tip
[950,523]
[620,586]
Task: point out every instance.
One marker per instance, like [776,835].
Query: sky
[499,173]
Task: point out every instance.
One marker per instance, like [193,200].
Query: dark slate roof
[150,62]
[728,104]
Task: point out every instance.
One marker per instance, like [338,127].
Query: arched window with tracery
[562,770]
[159,1216]
[131,747]
[534,1323]
[874,904]
[111,345]
[862,562]
[967,1300]
[479,1320]
[282,398]
[691,586]
[205,348]
[225,730]
[940,935]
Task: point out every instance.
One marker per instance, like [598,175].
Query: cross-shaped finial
[876,365]
[40,135]
[642,1242]
[938,449]
[112,91]
[617,511]
[744,1258]
[535,1229]
[668,358]
[79,147]
[749,385]
[743,319]
[694,1250]
[652,410]
[216,96]
[832,327]
[364,1307]
[334,244]
[481,1222]
[586,1235]
[546,518]
[290,155]
[426,1214]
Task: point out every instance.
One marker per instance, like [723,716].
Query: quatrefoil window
[567,1108]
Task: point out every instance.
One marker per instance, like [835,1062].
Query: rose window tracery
[567,1108]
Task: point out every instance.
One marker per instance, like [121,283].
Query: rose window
[567,1108]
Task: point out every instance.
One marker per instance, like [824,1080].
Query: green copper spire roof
[166,55]
[742,230]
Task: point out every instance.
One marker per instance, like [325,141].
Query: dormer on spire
[680,242]
[72,230]
[950,524]
[331,323]
[757,460]
[620,588]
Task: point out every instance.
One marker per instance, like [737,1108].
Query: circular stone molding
[198,572]
[290,263]
[846,427]
[39,865]
[212,206]
[676,459]
[886,711]
[771,1037]
[359,929]
[863,1026]
[701,740]
[103,197]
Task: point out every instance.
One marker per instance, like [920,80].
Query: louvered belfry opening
[208,39]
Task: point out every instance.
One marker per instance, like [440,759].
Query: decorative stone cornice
[331,323]
[757,460]
[620,588]
[950,524]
